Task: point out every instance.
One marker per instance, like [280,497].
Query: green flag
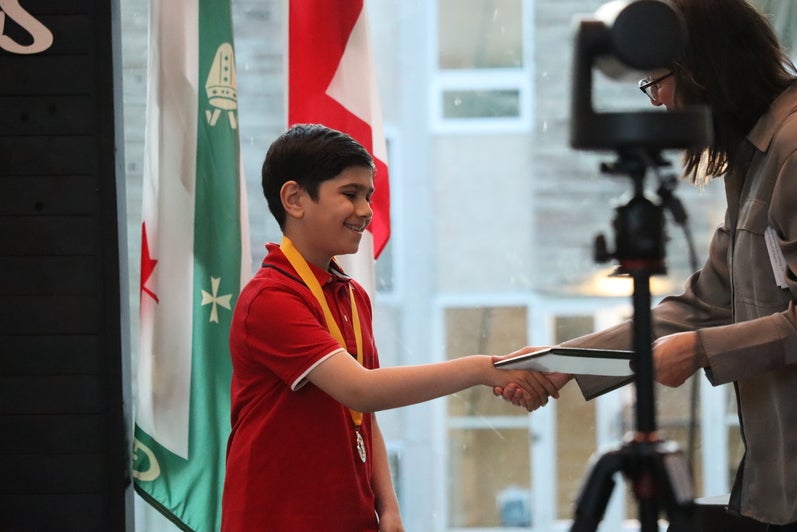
[194,256]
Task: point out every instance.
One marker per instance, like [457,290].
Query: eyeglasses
[651,86]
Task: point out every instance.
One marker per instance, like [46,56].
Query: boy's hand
[530,389]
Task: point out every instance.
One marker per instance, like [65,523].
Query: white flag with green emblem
[194,257]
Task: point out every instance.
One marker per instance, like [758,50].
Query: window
[482,77]
[505,467]
[783,16]
[489,470]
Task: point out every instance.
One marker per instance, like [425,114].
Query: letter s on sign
[42,36]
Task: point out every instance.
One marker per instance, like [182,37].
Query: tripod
[656,468]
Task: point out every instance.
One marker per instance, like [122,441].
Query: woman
[737,317]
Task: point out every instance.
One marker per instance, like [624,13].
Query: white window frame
[515,79]
[393,297]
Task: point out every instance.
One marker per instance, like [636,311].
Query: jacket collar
[764,130]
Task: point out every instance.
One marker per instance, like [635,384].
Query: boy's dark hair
[308,154]
[733,63]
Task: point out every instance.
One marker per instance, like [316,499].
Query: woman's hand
[677,357]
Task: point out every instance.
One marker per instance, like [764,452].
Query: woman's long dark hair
[734,64]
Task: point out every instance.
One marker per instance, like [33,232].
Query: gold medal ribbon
[304,271]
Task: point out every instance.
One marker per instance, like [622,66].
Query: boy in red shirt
[306,452]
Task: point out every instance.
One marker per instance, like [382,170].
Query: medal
[307,275]
[360,445]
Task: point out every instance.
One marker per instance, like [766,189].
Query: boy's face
[334,224]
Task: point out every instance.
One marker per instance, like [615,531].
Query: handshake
[527,388]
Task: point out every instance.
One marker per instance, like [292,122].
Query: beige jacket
[746,322]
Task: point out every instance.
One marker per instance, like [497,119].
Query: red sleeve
[279,329]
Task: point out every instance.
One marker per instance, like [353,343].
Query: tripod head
[639,224]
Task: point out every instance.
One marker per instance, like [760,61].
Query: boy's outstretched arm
[366,390]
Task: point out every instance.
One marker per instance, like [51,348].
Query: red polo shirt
[292,464]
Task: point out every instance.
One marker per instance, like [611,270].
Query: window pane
[575,425]
[488,466]
[485,330]
[488,479]
[783,16]
[575,444]
[481,104]
[567,327]
[480,34]
[384,269]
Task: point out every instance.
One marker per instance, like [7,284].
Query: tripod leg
[596,491]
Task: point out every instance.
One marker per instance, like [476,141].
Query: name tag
[776,258]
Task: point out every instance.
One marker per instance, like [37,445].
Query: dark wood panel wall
[64,385]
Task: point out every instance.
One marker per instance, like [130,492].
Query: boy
[306,452]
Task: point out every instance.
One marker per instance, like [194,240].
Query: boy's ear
[291,195]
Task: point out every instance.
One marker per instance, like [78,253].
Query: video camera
[622,38]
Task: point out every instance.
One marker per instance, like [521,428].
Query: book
[574,360]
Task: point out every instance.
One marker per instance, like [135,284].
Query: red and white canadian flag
[331,81]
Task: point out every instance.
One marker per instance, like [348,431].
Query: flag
[194,257]
[331,81]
